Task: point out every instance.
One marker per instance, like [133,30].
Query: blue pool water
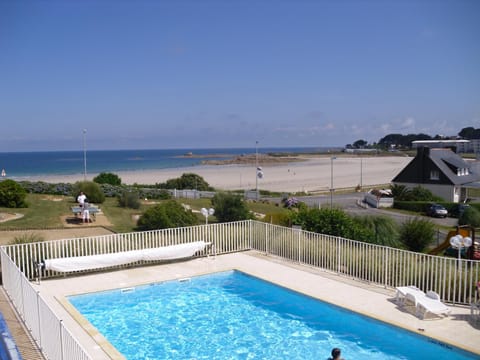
[8,348]
[231,315]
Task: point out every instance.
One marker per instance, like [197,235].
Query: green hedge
[416,206]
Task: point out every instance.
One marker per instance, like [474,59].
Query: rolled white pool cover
[78,263]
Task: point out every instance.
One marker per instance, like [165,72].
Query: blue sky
[188,74]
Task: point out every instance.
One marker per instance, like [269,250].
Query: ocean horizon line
[260,149]
[46,163]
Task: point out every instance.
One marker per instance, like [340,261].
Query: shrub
[40,187]
[291,202]
[230,207]
[470,216]
[384,230]
[187,181]
[91,189]
[12,195]
[129,199]
[158,194]
[107,178]
[27,238]
[169,214]
[416,234]
[418,193]
[331,222]
[282,219]
[399,192]
[416,206]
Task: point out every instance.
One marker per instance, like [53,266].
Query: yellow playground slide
[446,244]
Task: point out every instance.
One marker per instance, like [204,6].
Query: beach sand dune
[311,175]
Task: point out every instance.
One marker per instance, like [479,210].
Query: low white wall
[378,202]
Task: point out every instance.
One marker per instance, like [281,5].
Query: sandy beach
[311,175]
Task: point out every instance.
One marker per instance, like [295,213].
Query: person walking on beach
[81,199]
[4,173]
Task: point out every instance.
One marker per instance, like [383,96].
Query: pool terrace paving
[458,329]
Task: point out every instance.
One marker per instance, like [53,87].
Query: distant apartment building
[459,146]
[474,146]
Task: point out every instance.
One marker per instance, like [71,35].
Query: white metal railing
[19,267]
[53,339]
[453,279]
[227,238]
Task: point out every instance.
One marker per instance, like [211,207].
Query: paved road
[349,202]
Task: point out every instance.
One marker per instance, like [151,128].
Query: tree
[401,141]
[416,234]
[91,189]
[469,133]
[187,181]
[12,195]
[360,144]
[390,140]
[230,207]
[107,178]
[168,214]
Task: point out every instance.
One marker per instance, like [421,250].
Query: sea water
[25,164]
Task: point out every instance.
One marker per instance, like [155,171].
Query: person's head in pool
[336,353]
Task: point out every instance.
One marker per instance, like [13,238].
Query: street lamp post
[331,181]
[207,212]
[256,170]
[84,155]
[361,173]
[459,242]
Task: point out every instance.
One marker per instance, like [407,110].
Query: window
[462,171]
[434,175]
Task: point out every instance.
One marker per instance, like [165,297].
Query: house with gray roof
[440,170]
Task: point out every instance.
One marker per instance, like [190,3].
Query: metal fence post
[385,281]
[266,239]
[39,322]
[61,339]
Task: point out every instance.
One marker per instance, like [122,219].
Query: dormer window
[434,175]
[462,171]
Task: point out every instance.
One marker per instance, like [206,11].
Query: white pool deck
[457,329]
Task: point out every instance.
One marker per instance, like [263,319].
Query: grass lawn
[44,211]
[50,211]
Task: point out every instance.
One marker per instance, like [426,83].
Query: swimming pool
[8,348]
[231,315]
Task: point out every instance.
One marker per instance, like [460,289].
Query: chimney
[423,151]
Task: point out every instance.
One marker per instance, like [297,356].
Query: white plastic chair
[428,303]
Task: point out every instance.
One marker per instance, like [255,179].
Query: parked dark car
[436,210]
[458,210]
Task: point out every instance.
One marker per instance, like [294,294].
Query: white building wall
[461,146]
[378,202]
[475,146]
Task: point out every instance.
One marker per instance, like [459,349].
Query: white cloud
[386,128]
[408,123]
